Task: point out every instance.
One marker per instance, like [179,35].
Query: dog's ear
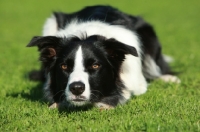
[48,47]
[42,42]
[118,50]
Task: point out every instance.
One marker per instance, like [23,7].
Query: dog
[98,55]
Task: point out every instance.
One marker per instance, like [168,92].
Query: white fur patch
[99,28]
[131,75]
[77,75]
[50,28]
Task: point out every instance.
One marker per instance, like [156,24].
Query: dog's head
[84,70]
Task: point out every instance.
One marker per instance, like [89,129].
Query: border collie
[98,56]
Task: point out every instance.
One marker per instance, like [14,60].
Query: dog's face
[83,70]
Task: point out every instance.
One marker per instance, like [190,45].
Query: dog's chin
[78,101]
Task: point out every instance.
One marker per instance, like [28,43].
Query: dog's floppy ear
[48,47]
[118,50]
[42,42]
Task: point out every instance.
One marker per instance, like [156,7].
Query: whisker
[62,95]
[96,97]
[97,91]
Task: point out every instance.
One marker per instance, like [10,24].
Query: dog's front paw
[54,106]
[170,78]
[103,106]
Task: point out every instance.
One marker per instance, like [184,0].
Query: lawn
[165,107]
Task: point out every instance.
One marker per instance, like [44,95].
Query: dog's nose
[77,88]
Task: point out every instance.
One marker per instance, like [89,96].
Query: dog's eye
[64,66]
[95,66]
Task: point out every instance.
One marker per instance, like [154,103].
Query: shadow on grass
[35,94]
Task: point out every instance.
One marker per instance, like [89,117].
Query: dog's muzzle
[76,94]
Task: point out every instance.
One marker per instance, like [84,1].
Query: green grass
[165,107]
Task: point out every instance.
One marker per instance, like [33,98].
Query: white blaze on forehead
[79,75]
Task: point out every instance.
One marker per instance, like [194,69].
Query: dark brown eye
[64,67]
[95,66]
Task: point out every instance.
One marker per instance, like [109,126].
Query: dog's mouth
[79,100]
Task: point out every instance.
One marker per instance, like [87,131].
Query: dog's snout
[77,88]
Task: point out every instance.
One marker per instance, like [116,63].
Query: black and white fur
[98,56]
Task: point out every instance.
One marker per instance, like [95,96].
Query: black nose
[77,88]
